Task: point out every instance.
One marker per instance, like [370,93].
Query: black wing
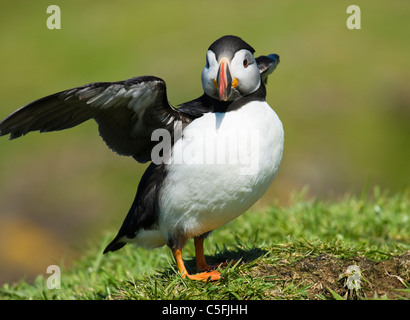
[266,65]
[126,112]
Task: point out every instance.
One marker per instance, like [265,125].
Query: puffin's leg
[204,276]
[200,256]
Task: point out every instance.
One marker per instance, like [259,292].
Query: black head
[228,45]
[231,71]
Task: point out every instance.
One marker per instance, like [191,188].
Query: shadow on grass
[225,255]
[168,284]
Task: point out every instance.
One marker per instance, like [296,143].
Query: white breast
[220,167]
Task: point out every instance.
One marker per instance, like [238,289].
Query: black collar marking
[204,104]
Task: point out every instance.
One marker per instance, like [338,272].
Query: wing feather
[126,112]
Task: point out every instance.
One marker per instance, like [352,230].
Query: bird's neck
[226,106]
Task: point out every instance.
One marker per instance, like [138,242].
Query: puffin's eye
[245,63]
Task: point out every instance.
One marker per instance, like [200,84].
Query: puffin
[210,158]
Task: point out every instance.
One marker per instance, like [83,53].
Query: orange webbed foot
[204,276]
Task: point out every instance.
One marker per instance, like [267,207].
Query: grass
[300,251]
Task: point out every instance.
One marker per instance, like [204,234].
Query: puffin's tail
[114,245]
[143,213]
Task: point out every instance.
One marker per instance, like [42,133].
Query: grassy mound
[301,251]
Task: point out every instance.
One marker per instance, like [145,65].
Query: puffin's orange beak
[224,80]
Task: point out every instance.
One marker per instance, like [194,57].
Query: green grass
[299,251]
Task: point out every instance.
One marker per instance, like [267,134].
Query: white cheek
[248,78]
[207,81]
[209,74]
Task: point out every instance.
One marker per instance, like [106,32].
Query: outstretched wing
[126,112]
[266,65]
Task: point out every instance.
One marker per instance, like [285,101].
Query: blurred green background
[343,97]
